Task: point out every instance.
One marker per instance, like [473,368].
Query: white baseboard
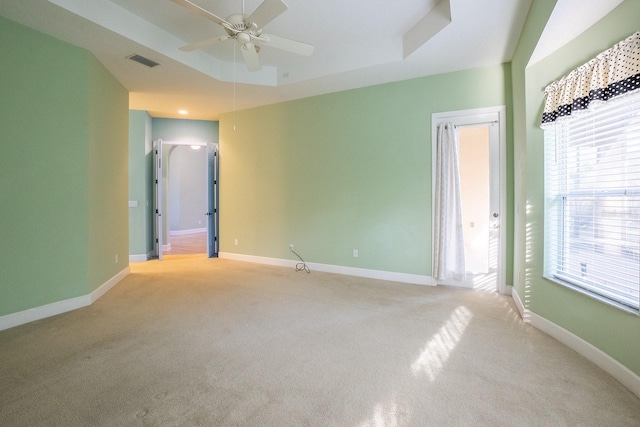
[338,269]
[610,365]
[190,231]
[257,259]
[32,314]
[138,258]
[106,286]
[592,353]
[524,312]
[166,248]
[141,257]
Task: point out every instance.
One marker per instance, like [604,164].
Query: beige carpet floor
[209,342]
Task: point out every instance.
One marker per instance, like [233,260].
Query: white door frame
[481,116]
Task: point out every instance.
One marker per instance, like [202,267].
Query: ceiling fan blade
[267,12]
[250,56]
[202,12]
[286,44]
[204,43]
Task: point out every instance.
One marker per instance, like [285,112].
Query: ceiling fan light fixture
[244,39]
[247,31]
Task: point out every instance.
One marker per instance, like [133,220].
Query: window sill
[593,295]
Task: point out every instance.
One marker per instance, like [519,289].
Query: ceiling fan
[247,31]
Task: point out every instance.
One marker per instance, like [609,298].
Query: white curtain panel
[448,235]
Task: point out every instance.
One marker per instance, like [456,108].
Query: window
[592,201]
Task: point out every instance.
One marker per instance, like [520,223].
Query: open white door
[481,135]
[157,159]
[212,195]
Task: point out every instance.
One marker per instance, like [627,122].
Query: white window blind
[592,201]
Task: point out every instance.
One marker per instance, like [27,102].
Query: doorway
[189,224]
[481,140]
[186,200]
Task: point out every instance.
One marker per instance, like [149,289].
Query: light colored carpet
[196,341]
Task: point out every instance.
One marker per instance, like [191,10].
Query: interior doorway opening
[186,202]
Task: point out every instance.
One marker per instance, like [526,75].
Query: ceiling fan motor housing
[238,23]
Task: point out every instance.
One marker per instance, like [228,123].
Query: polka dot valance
[614,72]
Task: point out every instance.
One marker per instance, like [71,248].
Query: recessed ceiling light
[183,112]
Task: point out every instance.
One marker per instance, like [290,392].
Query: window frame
[558,221]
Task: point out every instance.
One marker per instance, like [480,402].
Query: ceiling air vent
[142,60]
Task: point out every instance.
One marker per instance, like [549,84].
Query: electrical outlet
[355,253]
[235,242]
[116,258]
[291,246]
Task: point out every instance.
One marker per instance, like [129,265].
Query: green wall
[349,170]
[63,168]
[184,130]
[108,175]
[537,18]
[141,240]
[615,332]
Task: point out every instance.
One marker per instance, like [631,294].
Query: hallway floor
[195,243]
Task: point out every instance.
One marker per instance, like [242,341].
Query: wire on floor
[301,266]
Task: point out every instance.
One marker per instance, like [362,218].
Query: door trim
[481,116]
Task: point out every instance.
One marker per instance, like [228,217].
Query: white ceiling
[569,19]
[357,43]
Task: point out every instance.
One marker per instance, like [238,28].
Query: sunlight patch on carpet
[386,414]
[437,351]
